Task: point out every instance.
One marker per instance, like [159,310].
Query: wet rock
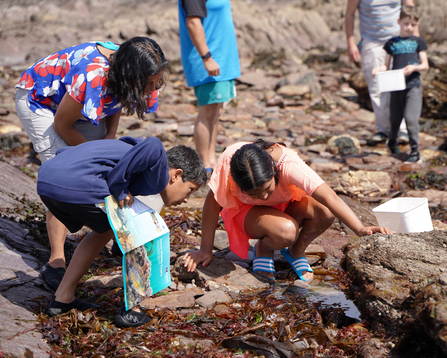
[374,348]
[398,282]
[17,236]
[223,274]
[431,308]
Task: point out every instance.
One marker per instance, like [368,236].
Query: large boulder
[398,282]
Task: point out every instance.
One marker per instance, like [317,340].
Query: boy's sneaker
[116,251]
[394,149]
[55,308]
[52,276]
[414,157]
[130,318]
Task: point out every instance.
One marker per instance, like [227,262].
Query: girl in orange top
[267,192]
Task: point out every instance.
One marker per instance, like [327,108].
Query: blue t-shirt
[221,39]
[405,51]
[87,173]
[80,71]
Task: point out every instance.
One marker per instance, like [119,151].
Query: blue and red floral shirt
[81,71]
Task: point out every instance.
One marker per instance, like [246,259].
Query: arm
[353,50]
[210,216]
[423,66]
[411,3]
[326,196]
[384,67]
[197,36]
[112,125]
[67,114]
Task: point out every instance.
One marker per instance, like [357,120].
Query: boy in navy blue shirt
[409,53]
[78,178]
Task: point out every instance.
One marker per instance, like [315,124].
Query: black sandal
[52,276]
[55,308]
[130,318]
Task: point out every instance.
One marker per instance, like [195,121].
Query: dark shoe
[52,276]
[116,251]
[130,318]
[379,137]
[55,308]
[414,157]
[394,149]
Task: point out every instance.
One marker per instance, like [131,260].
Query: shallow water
[327,295]
[324,294]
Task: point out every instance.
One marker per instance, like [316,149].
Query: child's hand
[373,229]
[192,259]
[408,70]
[128,201]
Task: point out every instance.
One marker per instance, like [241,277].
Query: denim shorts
[215,92]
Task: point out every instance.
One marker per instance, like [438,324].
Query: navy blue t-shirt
[405,51]
[88,172]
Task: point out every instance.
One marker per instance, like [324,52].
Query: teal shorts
[215,92]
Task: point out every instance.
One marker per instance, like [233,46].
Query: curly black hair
[129,69]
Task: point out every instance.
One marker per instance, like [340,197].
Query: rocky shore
[298,87]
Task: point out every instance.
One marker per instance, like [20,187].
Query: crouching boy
[79,177]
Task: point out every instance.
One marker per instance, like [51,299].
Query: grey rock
[12,190]
[212,297]
[344,145]
[111,281]
[221,240]
[225,275]
[174,300]
[18,332]
[364,183]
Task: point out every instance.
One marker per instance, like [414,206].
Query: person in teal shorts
[210,61]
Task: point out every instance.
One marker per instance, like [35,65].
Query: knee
[289,232]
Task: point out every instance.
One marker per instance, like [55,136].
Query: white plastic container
[403,215]
[390,81]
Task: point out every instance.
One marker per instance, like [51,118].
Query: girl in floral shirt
[76,95]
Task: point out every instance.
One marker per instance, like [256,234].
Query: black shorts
[75,216]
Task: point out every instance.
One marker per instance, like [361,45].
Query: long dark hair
[251,166]
[129,69]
